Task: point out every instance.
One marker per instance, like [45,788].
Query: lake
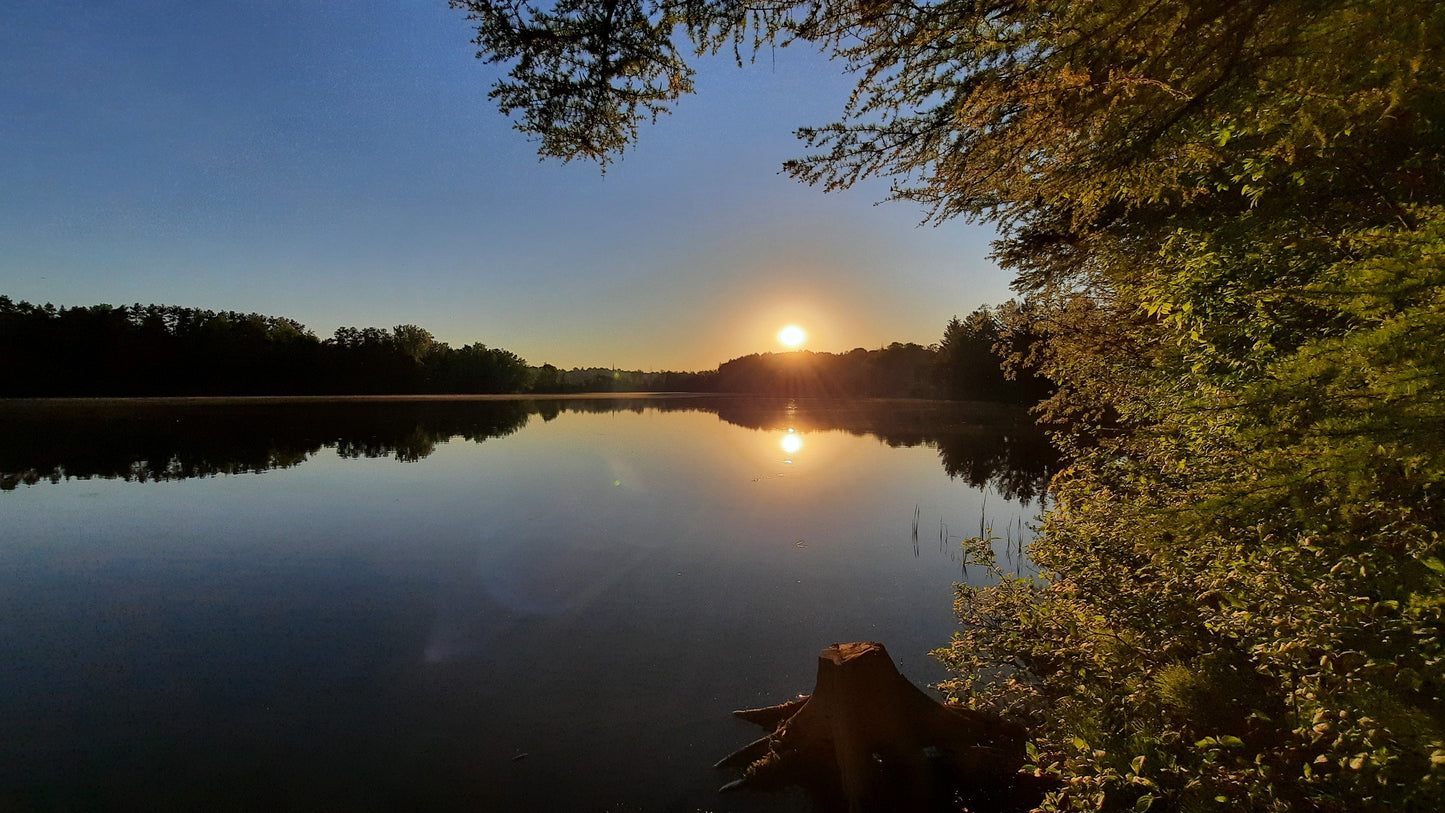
[463,603]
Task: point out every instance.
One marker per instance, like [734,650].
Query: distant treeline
[549,379]
[965,365]
[139,350]
[169,350]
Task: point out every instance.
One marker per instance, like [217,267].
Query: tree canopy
[1228,221]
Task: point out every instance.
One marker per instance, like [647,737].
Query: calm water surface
[461,604]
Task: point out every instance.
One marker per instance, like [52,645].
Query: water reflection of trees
[983,444]
[175,440]
[156,440]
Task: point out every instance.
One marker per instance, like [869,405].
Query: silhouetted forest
[162,350]
[550,379]
[965,365]
[161,440]
[167,350]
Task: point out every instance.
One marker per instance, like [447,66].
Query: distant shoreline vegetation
[166,350]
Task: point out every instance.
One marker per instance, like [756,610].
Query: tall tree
[967,364]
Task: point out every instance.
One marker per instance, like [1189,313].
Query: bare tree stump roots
[866,739]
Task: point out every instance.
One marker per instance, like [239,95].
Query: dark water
[461,604]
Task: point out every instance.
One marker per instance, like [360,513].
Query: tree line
[156,350]
[966,364]
[135,350]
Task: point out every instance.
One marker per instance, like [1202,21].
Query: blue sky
[338,162]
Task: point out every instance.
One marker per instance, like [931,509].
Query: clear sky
[338,162]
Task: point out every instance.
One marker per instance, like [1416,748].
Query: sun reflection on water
[792,442]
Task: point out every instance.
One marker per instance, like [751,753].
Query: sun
[792,336]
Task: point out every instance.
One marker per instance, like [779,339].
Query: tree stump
[866,739]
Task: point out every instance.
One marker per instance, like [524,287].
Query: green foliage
[1242,582]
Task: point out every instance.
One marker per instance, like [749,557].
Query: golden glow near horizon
[792,336]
